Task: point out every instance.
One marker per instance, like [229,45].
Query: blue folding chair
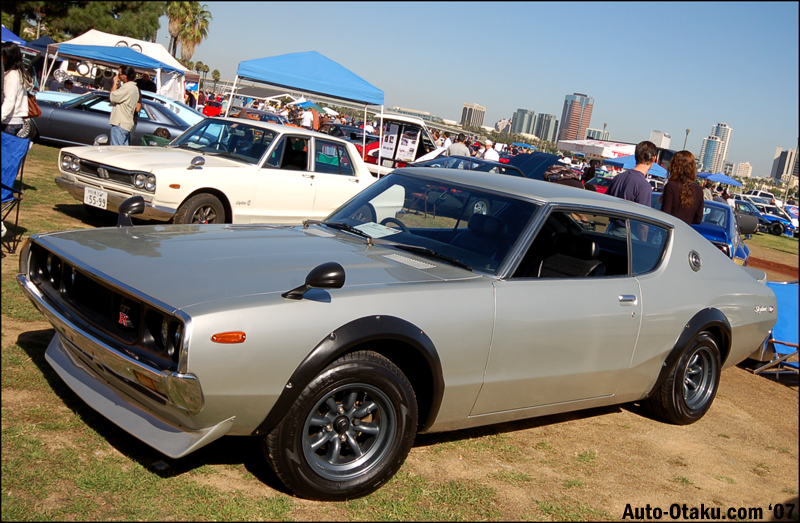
[784,336]
[14,151]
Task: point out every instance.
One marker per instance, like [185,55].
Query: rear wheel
[200,208]
[687,394]
[349,431]
[776,228]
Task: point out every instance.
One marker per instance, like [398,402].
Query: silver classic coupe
[335,342]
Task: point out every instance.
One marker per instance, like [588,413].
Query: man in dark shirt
[631,184]
[146,84]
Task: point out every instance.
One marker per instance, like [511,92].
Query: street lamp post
[685,139]
[604,131]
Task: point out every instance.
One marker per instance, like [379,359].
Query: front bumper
[108,381]
[116,195]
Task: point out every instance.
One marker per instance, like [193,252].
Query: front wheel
[200,208]
[776,228]
[349,431]
[687,394]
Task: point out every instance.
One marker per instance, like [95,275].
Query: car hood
[150,159]
[184,265]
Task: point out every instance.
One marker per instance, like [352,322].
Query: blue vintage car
[721,227]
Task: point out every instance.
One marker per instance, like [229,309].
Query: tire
[689,390]
[200,208]
[366,213]
[311,449]
[776,228]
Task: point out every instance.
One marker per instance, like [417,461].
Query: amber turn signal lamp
[174,186]
[229,337]
[146,381]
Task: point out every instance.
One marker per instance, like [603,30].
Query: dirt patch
[773,267]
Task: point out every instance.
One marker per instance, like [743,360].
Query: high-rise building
[708,153]
[472,115]
[744,170]
[503,126]
[724,132]
[728,169]
[575,117]
[522,122]
[784,164]
[546,127]
[661,139]
[596,134]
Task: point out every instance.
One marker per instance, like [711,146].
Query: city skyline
[660,82]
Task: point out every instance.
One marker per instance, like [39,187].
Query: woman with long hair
[683,196]
[15,94]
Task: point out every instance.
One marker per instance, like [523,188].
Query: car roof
[401,118]
[536,190]
[278,128]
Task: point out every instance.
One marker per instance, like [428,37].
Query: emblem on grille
[125,320]
[102,173]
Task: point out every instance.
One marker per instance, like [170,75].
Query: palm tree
[215,76]
[194,29]
[198,66]
[177,12]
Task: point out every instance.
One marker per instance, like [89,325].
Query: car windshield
[715,216]
[213,104]
[237,140]
[599,180]
[445,222]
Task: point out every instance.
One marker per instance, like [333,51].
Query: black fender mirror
[132,206]
[329,275]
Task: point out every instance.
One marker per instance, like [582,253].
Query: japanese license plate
[95,198]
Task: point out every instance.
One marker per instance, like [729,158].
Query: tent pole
[230,100]
[364,136]
[380,142]
[49,71]
[158,80]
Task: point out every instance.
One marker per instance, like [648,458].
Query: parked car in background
[222,170]
[351,133]
[407,140]
[212,108]
[770,223]
[336,342]
[766,195]
[79,121]
[656,185]
[186,113]
[601,183]
[780,221]
[720,227]
[261,116]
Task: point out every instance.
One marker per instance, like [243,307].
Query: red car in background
[600,183]
[212,108]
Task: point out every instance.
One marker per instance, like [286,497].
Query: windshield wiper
[341,226]
[432,254]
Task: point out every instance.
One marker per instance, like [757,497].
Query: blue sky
[649,66]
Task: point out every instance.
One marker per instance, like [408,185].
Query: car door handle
[354,180]
[308,176]
[627,299]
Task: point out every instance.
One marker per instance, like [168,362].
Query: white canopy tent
[170,84]
[597,149]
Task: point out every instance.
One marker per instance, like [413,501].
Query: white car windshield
[236,140]
[443,221]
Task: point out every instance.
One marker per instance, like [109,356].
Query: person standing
[459,148]
[707,190]
[15,95]
[631,184]
[683,197]
[146,84]
[307,119]
[490,153]
[447,141]
[124,98]
[590,172]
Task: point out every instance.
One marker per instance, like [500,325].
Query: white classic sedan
[222,170]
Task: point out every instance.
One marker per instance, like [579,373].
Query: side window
[574,244]
[101,106]
[275,156]
[331,158]
[295,154]
[646,253]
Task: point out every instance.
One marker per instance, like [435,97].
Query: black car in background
[79,121]
[471,164]
[351,133]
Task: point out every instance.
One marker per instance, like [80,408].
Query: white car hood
[150,159]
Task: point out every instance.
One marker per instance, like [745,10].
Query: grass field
[63,461]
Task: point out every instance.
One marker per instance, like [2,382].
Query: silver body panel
[509,348]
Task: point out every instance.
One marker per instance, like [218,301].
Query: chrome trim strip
[180,389]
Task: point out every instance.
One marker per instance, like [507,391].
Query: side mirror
[197,163]
[101,139]
[329,275]
[131,206]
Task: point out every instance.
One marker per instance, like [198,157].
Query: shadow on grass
[228,450]
[78,212]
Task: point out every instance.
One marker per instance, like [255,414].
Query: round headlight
[76,164]
[177,337]
[150,183]
[66,161]
[138,180]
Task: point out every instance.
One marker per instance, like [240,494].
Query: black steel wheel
[200,208]
[776,228]
[348,432]
[688,392]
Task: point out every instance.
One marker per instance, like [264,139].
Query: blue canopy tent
[524,145]
[40,44]
[629,162]
[719,178]
[8,36]
[112,56]
[311,73]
